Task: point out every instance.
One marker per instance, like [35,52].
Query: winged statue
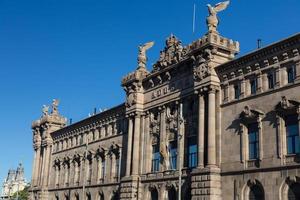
[45,110]
[142,57]
[55,104]
[212,20]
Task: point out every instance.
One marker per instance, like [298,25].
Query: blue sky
[78,51]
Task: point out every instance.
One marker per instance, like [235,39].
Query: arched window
[256,193]
[154,194]
[294,191]
[172,194]
[101,196]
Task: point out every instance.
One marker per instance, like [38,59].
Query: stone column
[147,146]
[46,164]
[136,144]
[113,167]
[211,127]
[142,145]
[163,138]
[129,146]
[278,76]
[201,129]
[36,167]
[120,164]
[226,92]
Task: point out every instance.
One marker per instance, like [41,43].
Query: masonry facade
[229,127]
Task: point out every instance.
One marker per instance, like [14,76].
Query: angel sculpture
[142,58]
[212,20]
[45,110]
[55,104]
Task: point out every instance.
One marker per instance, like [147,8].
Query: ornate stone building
[219,127]
[14,182]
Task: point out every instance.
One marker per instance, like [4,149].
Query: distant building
[14,182]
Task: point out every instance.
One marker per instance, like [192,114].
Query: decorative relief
[202,68]
[286,106]
[172,54]
[172,118]
[154,126]
[250,115]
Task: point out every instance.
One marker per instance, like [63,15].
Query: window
[256,193]
[291,72]
[294,191]
[102,169]
[292,134]
[173,154]
[192,152]
[253,86]
[117,167]
[155,158]
[237,91]
[271,80]
[253,141]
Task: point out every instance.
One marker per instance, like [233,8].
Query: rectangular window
[192,152]
[253,86]
[292,134]
[155,158]
[102,169]
[291,72]
[237,91]
[253,140]
[271,80]
[173,154]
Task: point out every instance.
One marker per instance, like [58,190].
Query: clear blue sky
[78,51]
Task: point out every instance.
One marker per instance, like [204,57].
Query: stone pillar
[147,146]
[142,145]
[211,127]
[278,76]
[136,144]
[163,138]
[201,129]
[46,164]
[113,168]
[226,92]
[36,167]
[129,147]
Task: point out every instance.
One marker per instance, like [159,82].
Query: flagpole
[180,134]
[194,18]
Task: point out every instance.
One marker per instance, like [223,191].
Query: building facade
[201,123]
[14,182]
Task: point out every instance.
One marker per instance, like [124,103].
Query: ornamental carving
[172,54]
[154,124]
[202,69]
[172,118]
[250,115]
[287,106]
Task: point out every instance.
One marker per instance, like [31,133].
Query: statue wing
[148,45]
[221,6]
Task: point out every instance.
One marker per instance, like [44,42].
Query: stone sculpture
[142,57]
[212,20]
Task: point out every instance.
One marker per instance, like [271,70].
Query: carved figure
[45,110]
[212,20]
[142,57]
[55,104]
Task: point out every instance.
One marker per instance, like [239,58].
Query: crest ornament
[173,53]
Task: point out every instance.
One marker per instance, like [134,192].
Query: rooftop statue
[142,58]
[212,20]
[55,104]
[45,110]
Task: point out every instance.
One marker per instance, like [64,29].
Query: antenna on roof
[194,18]
[95,111]
[70,121]
[259,43]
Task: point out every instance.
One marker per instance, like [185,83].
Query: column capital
[212,89]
